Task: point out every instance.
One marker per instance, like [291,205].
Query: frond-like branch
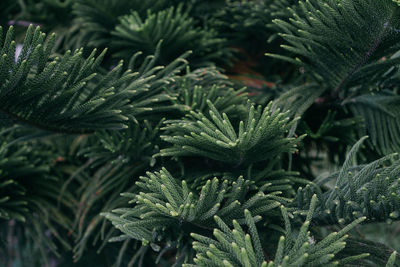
[370,190]
[238,248]
[341,42]
[59,95]
[67,95]
[175,28]
[260,137]
[98,18]
[381,114]
[164,203]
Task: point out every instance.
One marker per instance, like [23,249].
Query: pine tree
[199,133]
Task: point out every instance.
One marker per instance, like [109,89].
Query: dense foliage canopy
[258,133]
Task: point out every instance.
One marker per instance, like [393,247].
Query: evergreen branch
[196,87]
[370,190]
[258,138]
[99,18]
[56,96]
[372,49]
[28,194]
[381,116]
[319,30]
[114,157]
[296,101]
[238,248]
[164,203]
[175,29]
[65,96]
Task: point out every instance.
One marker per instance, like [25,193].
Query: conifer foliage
[254,133]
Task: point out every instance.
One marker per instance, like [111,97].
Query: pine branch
[196,87]
[28,195]
[320,30]
[381,116]
[114,157]
[66,96]
[164,202]
[99,18]
[56,96]
[369,190]
[238,248]
[175,29]
[258,138]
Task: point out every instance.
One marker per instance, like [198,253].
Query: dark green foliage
[99,18]
[381,116]
[176,30]
[29,189]
[52,13]
[8,9]
[184,145]
[165,203]
[362,36]
[69,88]
[218,139]
[58,95]
[196,87]
[322,35]
[113,159]
[13,202]
[162,194]
[238,248]
[368,190]
[246,20]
